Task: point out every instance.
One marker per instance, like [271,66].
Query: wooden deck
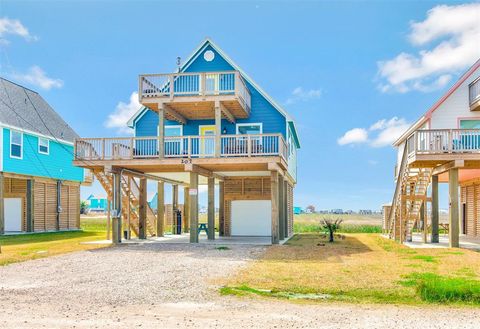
[436,147]
[192,96]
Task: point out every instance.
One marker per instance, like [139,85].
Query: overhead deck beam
[202,171]
[229,116]
[174,115]
[447,166]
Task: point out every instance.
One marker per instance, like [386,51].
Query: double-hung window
[43,145]
[16,144]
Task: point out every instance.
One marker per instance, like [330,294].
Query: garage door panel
[251,218]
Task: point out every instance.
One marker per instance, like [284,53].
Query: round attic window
[209,55]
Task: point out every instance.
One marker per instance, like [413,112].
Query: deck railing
[474,91]
[180,147]
[440,141]
[195,84]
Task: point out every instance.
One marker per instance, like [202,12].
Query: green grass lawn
[361,268]
[18,248]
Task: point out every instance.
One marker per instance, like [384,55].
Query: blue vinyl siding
[57,164]
[261,110]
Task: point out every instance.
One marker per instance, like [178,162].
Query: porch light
[224,131]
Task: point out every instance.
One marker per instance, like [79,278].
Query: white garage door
[13,214]
[251,218]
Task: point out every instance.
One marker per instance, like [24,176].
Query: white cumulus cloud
[299,94]
[10,26]
[448,41]
[122,113]
[381,133]
[354,136]
[37,77]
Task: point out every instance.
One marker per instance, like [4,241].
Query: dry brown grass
[361,267]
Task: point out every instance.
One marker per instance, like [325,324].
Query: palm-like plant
[331,226]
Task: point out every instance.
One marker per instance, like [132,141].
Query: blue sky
[335,66]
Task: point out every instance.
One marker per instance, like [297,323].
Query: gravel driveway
[175,286]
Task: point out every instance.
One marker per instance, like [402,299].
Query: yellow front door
[207,142]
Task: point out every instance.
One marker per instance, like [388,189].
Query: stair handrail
[398,185]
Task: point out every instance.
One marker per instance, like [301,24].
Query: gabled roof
[17,110]
[191,58]
[437,104]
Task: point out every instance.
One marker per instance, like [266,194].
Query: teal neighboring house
[298,210]
[97,203]
[39,186]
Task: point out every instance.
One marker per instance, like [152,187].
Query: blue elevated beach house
[39,185]
[210,124]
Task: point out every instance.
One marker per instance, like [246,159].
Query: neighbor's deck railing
[474,91]
[180,147]
[441,141]
[195,84]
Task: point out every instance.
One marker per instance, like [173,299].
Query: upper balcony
[193,95]
[474,95]
[438,146]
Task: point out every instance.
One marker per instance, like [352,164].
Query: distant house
[365,212]
[298,210]
[97,203]
[336,211]
[39,185]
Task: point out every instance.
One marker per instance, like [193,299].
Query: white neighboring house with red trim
[442,144]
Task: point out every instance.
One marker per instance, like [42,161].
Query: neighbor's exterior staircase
[410,195]
[130,201]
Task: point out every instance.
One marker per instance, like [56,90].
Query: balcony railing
[441,141]
[180,147]
[195,84]
[474,94]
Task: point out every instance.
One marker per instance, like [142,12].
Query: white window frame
[48,145]
[21,144]
[172,126]
[248,124]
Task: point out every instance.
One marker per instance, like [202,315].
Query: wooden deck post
[423,220]
[30,205]
[281,209]
[274,198]
[435,206]
[218,129]
[109,217]
[160,208]
[161,130]
[2,213]
[285,207]
[211,208]
[116,218]
[454,231]
[186,210]
[221,208]
[174,207]
[142,209]
[193,207]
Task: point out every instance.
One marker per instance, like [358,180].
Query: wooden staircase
[410,195]
[130,201]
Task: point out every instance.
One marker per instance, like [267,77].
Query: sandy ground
[175,286]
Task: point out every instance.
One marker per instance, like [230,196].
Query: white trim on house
[21,144]
[47,146]
[130,122]
[171,126]
[249,124]
[33,133]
